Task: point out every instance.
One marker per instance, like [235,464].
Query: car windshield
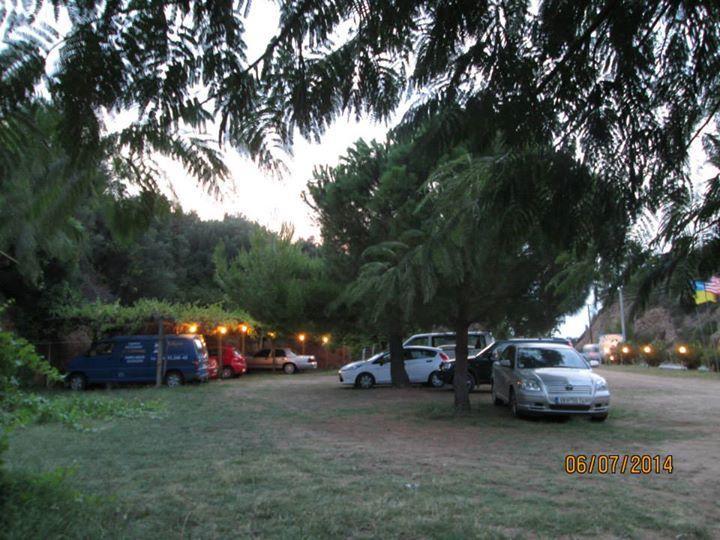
[543,357]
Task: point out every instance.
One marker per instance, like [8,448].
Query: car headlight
[530,384]
[601,384]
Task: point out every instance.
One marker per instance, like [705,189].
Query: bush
[657,354]
[691,359]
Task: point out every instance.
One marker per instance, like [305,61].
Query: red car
[212,367]
[233,362]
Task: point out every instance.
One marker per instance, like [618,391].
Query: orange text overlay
[618,464]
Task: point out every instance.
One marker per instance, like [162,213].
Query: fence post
[160,353]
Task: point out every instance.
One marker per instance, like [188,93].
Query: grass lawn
[300,457]
[694,373]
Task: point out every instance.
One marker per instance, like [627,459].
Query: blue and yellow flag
[702,295]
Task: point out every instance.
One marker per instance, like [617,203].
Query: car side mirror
[505,362]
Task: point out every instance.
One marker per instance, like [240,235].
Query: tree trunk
[398,375]
[462,396]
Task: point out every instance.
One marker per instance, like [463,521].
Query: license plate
[572,401]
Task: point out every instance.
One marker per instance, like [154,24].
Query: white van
[477,341]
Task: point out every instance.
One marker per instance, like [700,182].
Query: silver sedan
[546,378]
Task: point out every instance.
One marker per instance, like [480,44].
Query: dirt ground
[650,415]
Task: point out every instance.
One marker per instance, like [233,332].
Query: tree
[275,282]
[368,199]
[510,241]
[183,64]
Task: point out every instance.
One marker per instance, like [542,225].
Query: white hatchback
[422,365]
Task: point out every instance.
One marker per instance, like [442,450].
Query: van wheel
[365,381]
[289,368]
[435,381]
[174,379]
[227,373]
[77,382]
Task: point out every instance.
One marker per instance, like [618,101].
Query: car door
[380,369]
[259,359]
[482,365]
[419,364]
[503,371]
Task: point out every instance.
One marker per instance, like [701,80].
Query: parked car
[233,363]
[134,359]
[480,365]
[672,366]
[592,353]
[285,359]
[477,341]
[548,378]
[422,365]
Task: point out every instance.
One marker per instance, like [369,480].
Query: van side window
[103,348]
[440,341]
[420,340]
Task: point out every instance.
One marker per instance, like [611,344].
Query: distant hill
[662,320]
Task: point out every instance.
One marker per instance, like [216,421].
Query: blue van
[133,359]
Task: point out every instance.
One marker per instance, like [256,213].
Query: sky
[273,201]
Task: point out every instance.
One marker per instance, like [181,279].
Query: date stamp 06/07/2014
[639,464]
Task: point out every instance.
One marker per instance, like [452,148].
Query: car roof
[448,333]
[546,344]
[411,347]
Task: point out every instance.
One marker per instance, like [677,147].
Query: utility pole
[590,336]
[622,314]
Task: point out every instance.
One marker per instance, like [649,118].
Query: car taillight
[444,357]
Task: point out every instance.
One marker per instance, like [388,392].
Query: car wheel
[513,404]
[599,417]
[289,368]
[365,381]
[227,373]
[174,379]
[435,381]
[495,398]
[77,382]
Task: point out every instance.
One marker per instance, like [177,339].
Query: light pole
[622,313]
[325,340]
[301,337]
[222,330]
[243,331]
